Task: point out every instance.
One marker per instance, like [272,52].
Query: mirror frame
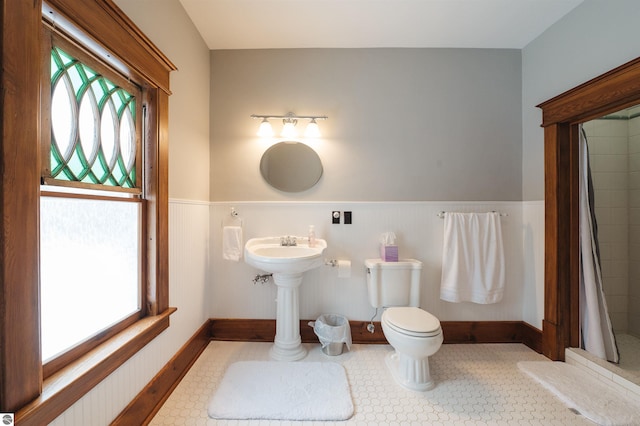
[561,116]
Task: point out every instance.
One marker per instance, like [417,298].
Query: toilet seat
[412,321]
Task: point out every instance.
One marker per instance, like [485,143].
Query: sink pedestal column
[287,345]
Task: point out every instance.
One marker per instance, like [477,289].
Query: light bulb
[289,129]
[265,130]
[312,130]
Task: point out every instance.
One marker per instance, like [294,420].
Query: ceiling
[271,24]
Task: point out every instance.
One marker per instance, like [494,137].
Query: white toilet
[414,333]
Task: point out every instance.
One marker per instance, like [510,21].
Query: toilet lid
[411,320]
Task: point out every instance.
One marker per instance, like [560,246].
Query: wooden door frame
[561,115]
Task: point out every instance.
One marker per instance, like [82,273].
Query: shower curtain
[596,331]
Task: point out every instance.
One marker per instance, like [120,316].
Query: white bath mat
[283,391]
[590,397]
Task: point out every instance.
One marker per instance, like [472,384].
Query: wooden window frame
[50,40]
[102,26]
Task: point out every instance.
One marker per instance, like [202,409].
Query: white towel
[473,258]
[232,243]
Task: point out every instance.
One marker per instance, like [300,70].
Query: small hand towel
[473,267]
[232,243]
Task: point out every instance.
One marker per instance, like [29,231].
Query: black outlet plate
[347,218]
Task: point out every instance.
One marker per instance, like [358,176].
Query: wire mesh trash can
[334,332]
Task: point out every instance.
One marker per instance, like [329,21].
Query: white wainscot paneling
[420,236]
[189,268]
[533,262]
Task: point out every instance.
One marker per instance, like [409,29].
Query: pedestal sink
[287,263]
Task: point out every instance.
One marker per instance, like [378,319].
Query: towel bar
[442,213]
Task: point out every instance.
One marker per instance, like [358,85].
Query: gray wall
[594,38]
[404,124]
[170,28]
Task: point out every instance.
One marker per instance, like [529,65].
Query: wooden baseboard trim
[257,330]
[492,332]
[531,336]
[146,404]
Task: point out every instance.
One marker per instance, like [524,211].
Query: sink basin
[268,255]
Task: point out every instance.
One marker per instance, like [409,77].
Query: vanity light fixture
[312,130]
[289,128]
[289,122]
[265,130]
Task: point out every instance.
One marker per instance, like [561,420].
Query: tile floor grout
[477,384]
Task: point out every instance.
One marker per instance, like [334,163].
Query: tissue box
[389,253]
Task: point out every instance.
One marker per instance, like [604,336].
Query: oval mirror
[291,166]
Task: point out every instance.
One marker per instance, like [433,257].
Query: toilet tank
[393,283]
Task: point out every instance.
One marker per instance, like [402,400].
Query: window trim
[66,386]
[22,389]
[52,39]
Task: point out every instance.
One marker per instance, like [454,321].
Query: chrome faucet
[288,241]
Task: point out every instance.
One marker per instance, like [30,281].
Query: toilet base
[410,373]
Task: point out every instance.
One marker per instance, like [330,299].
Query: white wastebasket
[334,333]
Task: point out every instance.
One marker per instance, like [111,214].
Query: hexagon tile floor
[477,384]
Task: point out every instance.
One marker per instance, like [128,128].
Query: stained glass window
[93,126]
[90,241]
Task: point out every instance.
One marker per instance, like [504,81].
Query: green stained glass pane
[118,175]
[124,97]
[98,92]
[56,163]
[63,177]
[93,125]
[75,166]
[89,73]
[75,77]
[66,59]
[54,67]
[90,178]
[109,85]
[117,101]
[99,172]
